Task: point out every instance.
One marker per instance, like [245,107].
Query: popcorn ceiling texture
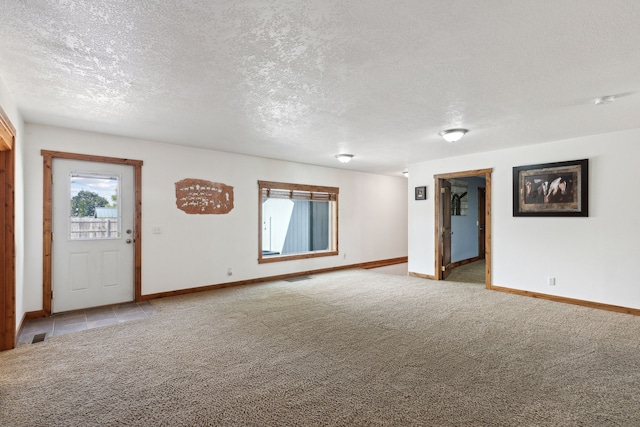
[305,80]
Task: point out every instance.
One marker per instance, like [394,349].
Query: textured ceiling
[302,81]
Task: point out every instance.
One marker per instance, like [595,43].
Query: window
[94,213]
[297,221]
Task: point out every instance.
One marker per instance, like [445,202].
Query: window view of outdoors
[295,226]
[94,211]
[297,221]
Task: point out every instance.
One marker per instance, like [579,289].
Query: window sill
[278,258]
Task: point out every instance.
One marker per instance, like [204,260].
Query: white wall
[196,250]
[10,108]
[591,258]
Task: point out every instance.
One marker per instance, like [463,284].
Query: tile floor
[79,320]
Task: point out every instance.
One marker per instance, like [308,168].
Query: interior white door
[93,247]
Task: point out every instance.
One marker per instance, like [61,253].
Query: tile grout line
[84,315]
[55,323]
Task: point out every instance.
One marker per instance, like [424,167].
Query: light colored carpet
[474,272]
[351,348]
[401,269]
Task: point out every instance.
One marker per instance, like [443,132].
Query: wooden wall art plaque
[197,196]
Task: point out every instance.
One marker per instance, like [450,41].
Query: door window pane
[94,211]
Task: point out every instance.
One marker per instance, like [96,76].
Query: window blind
[271,190]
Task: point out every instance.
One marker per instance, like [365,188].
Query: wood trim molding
[300,187]
[487,228]
[464,262]
[365,265]
[38,314]
[6,139]
[565,300]
[47,218]
[278,258]
[7,132]
[7,241]
[422,276]
[554,298]
[384,262]
[137,232]
[464,174]
[437,269]
[90,158]
[47,230]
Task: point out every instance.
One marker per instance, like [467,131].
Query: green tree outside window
[85,203]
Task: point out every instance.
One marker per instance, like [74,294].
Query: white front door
[93,248]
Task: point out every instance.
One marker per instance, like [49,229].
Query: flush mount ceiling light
[344,158]
[605,100]
[453,135]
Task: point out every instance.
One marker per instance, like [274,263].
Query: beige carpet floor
[473,272]
[351,348]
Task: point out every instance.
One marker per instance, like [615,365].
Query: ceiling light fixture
[405,173]
[453,135]
[605,100]
[344,158]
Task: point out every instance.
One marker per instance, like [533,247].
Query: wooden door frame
[486,173]
[47,221]
[481,244]
[444,206]
[7,224]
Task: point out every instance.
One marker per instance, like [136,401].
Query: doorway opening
[452,192]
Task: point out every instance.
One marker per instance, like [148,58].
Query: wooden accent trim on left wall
[47,218]
[47,230]
[7,132]
[7,243]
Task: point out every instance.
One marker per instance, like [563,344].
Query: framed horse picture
[551,189]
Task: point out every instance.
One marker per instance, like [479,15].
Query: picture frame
[421,193]
[558,189]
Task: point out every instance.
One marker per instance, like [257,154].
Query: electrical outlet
[229,272]
[156,230]
[551,281]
